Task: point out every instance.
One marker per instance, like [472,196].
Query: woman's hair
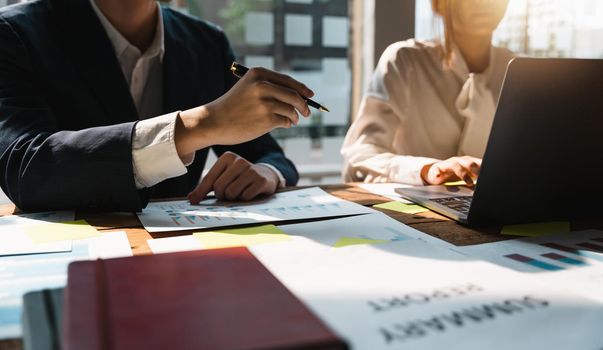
[443,9]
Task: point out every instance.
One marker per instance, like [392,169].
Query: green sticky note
[537,229]
[53,232]
[241,237]
[347,241]
[402,207]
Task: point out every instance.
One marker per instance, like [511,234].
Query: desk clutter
[246,277]
[35,250]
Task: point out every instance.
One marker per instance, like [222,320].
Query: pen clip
[234,68]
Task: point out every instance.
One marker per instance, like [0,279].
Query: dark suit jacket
[67,116]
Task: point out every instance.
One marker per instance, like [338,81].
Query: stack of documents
[381,284]
[35,250]
[370,229]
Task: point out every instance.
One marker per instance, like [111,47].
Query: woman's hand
[452,169]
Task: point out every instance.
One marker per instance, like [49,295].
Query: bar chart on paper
[293,205]
[573,253]
[533,262]
[574,261]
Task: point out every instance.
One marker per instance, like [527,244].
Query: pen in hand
[239,70]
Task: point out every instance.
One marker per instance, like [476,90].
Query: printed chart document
[376,228]
[572,262]
[413,295]
[294,205]
[14,239]
[23,273]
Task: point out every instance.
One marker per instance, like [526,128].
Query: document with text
[293,205]
[570,261]
[414,295]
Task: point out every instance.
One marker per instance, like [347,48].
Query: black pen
[239,70]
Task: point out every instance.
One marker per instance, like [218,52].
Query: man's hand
[452,169]
[234,178]
[258,103]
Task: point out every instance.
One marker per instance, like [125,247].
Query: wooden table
[428,222]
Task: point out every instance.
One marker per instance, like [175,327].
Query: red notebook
[212,299]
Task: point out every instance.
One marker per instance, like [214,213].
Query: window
[8,2]
[307,39]
[542,28]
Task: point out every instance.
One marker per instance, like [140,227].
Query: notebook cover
[211,299]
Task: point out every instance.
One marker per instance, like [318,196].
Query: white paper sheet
[376,226]
[109,245]
[563,261]
[293,205]
[174,244]
[14,241]
[412,295]
[24,273]
[387,190]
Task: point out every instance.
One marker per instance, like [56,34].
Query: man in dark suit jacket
[107,103]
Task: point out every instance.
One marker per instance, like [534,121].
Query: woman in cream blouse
[426,116]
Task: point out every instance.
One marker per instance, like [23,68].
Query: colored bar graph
[592,246]
[175,220]
[575,251]
[536,263]
[564,259]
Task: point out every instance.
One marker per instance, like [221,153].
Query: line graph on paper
[293,205]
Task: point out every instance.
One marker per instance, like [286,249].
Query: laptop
[544,157]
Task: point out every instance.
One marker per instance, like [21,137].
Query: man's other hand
[235,178]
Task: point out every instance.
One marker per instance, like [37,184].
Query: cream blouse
[417,111]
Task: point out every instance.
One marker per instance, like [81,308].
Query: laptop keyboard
[460,204]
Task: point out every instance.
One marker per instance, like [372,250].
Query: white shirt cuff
[281,179]
[154,154]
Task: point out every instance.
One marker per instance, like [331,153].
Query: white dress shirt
[154,154]
[418,111]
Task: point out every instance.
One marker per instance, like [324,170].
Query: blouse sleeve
[368,149]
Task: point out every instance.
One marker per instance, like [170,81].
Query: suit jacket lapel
[182,88]
[94,59]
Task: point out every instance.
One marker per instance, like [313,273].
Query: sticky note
[537,229]
[237,237]
[459,183]
[348,241]
[53,232]
[455,183]
[402,207]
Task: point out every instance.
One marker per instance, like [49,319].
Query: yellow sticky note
[455,183]
[53,232]
[402,207]
[347,241]
[237,237]
[537,229]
